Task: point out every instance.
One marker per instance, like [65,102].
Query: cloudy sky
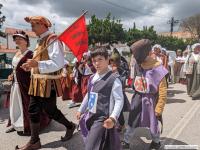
[63,12]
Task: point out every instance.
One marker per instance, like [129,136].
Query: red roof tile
[13,30]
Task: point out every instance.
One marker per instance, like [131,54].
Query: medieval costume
[192,69]
[178,65]
[156,53]
[182,71]
[45,83]
[132,69]
[101,106]
[86,69]
[66,82]
[150,93]
[77,96]
[108,103]
[115,61]
[19,98]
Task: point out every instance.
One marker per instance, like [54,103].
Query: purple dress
[143,105]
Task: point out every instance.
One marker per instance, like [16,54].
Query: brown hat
[38,19]
[140,49]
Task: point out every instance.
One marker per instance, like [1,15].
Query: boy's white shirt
[116,98]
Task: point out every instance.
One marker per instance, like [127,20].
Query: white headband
[195,45]
[19,35]
[157,46]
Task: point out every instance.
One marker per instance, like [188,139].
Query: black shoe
[125,145]
[154,145]
[10,130]
[69,133]
[21,133]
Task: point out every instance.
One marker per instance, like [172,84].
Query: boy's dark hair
[102,51]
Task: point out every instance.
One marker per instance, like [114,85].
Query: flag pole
[84,13]
[74,21]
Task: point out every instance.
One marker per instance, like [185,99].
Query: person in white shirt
[45,86]
[101,106]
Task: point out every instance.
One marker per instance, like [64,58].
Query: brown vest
[42,84]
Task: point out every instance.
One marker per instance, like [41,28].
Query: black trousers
[38,104]
[121,119]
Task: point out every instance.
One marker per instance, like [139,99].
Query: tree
[109,30]
[135,34]
[192,25]
[105,30]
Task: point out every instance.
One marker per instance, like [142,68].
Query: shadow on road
[170,141]
[76,143]
[171,93]
[142,139]
[4,115]
[174,100]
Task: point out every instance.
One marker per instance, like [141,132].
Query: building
[7,45]
[179,34]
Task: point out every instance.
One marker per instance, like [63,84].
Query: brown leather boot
[34,142]
[29,146]
[35,128]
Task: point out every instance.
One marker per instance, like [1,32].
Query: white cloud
[63,12]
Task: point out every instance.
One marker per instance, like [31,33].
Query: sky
[62,13]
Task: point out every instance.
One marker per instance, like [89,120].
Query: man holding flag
[45,84]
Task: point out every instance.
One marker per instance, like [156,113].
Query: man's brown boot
[34,142]
[29,146]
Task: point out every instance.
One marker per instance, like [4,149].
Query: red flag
[76,37]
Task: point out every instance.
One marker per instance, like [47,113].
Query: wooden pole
[85,12]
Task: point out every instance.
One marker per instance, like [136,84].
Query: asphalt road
[181,126]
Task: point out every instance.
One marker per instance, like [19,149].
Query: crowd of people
[98,82]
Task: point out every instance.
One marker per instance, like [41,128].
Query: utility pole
[172,23]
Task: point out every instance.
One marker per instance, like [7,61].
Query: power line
[132,10]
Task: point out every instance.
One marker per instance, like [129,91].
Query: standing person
[66,82]
[182,72]
[19,98]
[132,69]
[156,53]
[178,65]
[77,96]
[192,70]
[165,58]
[45,83]
[101,106]
[150,94]
[115,60]
[87,69]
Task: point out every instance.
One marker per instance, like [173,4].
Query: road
[181,126]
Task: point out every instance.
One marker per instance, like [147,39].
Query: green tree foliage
[110,30]
[105,30]
[135,34]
